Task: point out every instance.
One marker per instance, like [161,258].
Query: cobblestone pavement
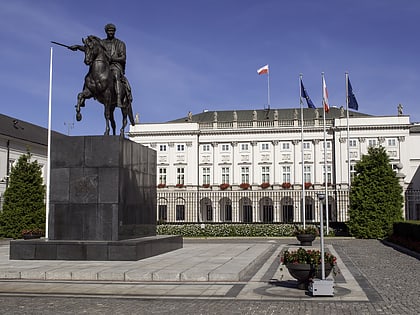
[389,278]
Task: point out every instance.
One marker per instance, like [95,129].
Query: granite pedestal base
[102,203]
[124,250]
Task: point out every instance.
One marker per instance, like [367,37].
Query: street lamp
[322,286]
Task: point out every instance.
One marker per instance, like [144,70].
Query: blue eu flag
[351,98]
[305,95]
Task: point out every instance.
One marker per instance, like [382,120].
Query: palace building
[252,165]
[246,165]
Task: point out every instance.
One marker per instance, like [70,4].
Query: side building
[17,137]
[246,166]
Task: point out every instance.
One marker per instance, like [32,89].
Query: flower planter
[265,185]
[303,273]
[286,185]
[31,236]
[306,239]
[224,186]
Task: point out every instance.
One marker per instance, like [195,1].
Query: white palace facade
[246,166]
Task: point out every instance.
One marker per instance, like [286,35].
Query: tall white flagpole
[302,153]
[47,212]
[348,130]
[324,102]
[325,153]
[268,86]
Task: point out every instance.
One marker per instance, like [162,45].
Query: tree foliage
[24,206]
[376,199]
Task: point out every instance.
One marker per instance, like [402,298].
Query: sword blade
[59,44]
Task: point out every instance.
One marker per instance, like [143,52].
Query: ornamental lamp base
[320,287]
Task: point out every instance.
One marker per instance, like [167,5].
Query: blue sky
[192,55]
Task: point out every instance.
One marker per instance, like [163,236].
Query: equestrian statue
[105,81]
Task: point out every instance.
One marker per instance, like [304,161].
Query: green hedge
[227,230]
[408,229]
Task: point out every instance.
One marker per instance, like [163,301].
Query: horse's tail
[130,115]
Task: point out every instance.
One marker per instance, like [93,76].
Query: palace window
[205,147]
[265,146]
[329,174]
[352,143]
[307,174]
[286,175]
[162,176]
[225,147]
[372,143]
[225,175]
[180,175]
[244,147]
[245,174]
[206,175]
[392,142]
[306,145]
[180,147]
[285,145]
[265,174]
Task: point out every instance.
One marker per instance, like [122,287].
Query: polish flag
[263,70]
[325,96]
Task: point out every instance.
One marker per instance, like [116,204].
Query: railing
[412,204]
[263,124]
[262,205]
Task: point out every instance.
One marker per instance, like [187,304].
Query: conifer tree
[376,199]
[24,206]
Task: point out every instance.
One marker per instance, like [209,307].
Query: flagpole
[47,208]
[348,131]
[302,153]
[268,86]
[325,160]
[324,96]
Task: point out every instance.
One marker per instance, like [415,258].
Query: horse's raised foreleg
[81,97]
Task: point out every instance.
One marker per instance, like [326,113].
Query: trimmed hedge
[407,234]
[227,230]
[407,229]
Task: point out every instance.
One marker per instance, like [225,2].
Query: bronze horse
[99,84]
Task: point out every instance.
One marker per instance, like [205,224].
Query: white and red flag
[263,70]
[325,96]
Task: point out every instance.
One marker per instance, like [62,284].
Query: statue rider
[117,52]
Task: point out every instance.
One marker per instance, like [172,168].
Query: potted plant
[179,185]
[161,185]
[286,185]
[32,233]
[306,235]
[224,186]
[206,185]
[244,186]
[304,265]
[265,185]
[308,185]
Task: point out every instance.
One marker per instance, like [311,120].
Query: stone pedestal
[102,202]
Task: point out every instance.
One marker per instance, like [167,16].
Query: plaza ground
[214,276]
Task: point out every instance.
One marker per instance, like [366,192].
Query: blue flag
[305,95]
[351,98]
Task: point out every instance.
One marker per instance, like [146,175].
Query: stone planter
[303,273]
[306,239]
